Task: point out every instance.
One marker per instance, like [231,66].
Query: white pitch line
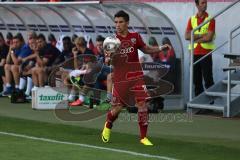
[87,146]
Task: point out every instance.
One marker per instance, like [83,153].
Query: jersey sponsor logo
[127,47]
[127,50]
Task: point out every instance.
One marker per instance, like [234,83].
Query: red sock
[143,123]
[110,119]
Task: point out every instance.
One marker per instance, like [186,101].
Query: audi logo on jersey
[126,47]
[127,50]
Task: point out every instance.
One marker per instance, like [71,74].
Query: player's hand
[12,53]
[107,54]
[61,69]
[23,59]
[107,60]
[75,51]
[165,46]
[11,47]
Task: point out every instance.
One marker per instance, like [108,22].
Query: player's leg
[141,96]
[16,75]
[2,75]
[143,122]
[109,86]
[82,92]
[112,115]
[197,77]
[40,76]
[8,75]
[35,77]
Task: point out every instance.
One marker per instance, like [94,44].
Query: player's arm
[14,58]
[151,50]
[188,32]
[77,73]
[8,59]
[210,35]
[32,56]
[206,37]
[45,61]
[196,36]
[3,62]
[75,60]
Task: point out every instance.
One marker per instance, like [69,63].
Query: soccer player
[130,43]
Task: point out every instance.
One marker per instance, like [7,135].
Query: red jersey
[126,64]
[130,45]
[199,50]
[127,72]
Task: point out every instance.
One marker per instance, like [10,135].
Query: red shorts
[130,92]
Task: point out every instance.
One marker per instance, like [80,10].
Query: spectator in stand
[105,77]
[74,36]
[3,55]
[167,55]
[67,48]
[52,40]
[80,49]
[153,42]
[27,64]
[99,48]
[18,50]
[45,57]
[9,38]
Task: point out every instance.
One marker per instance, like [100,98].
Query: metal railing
[192,46]
[229,71]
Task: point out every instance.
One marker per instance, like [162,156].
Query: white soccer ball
[111,44]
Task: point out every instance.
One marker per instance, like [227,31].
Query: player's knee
[109,77]
[141,104]
[14,68]
[7,67]
[34,70]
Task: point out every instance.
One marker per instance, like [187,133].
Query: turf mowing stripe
[87,146]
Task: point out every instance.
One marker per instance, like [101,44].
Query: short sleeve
[25,51]
[212,25]
[140,42]
[189,25]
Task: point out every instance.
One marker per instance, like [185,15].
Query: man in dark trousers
[203,44]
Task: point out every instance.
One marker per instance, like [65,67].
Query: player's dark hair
[74,36]
[123,14]
[152,41]
[1,36]
[19,37]
[41,36]
[100,38]
[197,2]
[9,35]
[166,40]
[66,38]
[51,37]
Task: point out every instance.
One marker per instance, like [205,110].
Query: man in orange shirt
[203,44]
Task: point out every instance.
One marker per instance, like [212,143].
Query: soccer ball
[111,44]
